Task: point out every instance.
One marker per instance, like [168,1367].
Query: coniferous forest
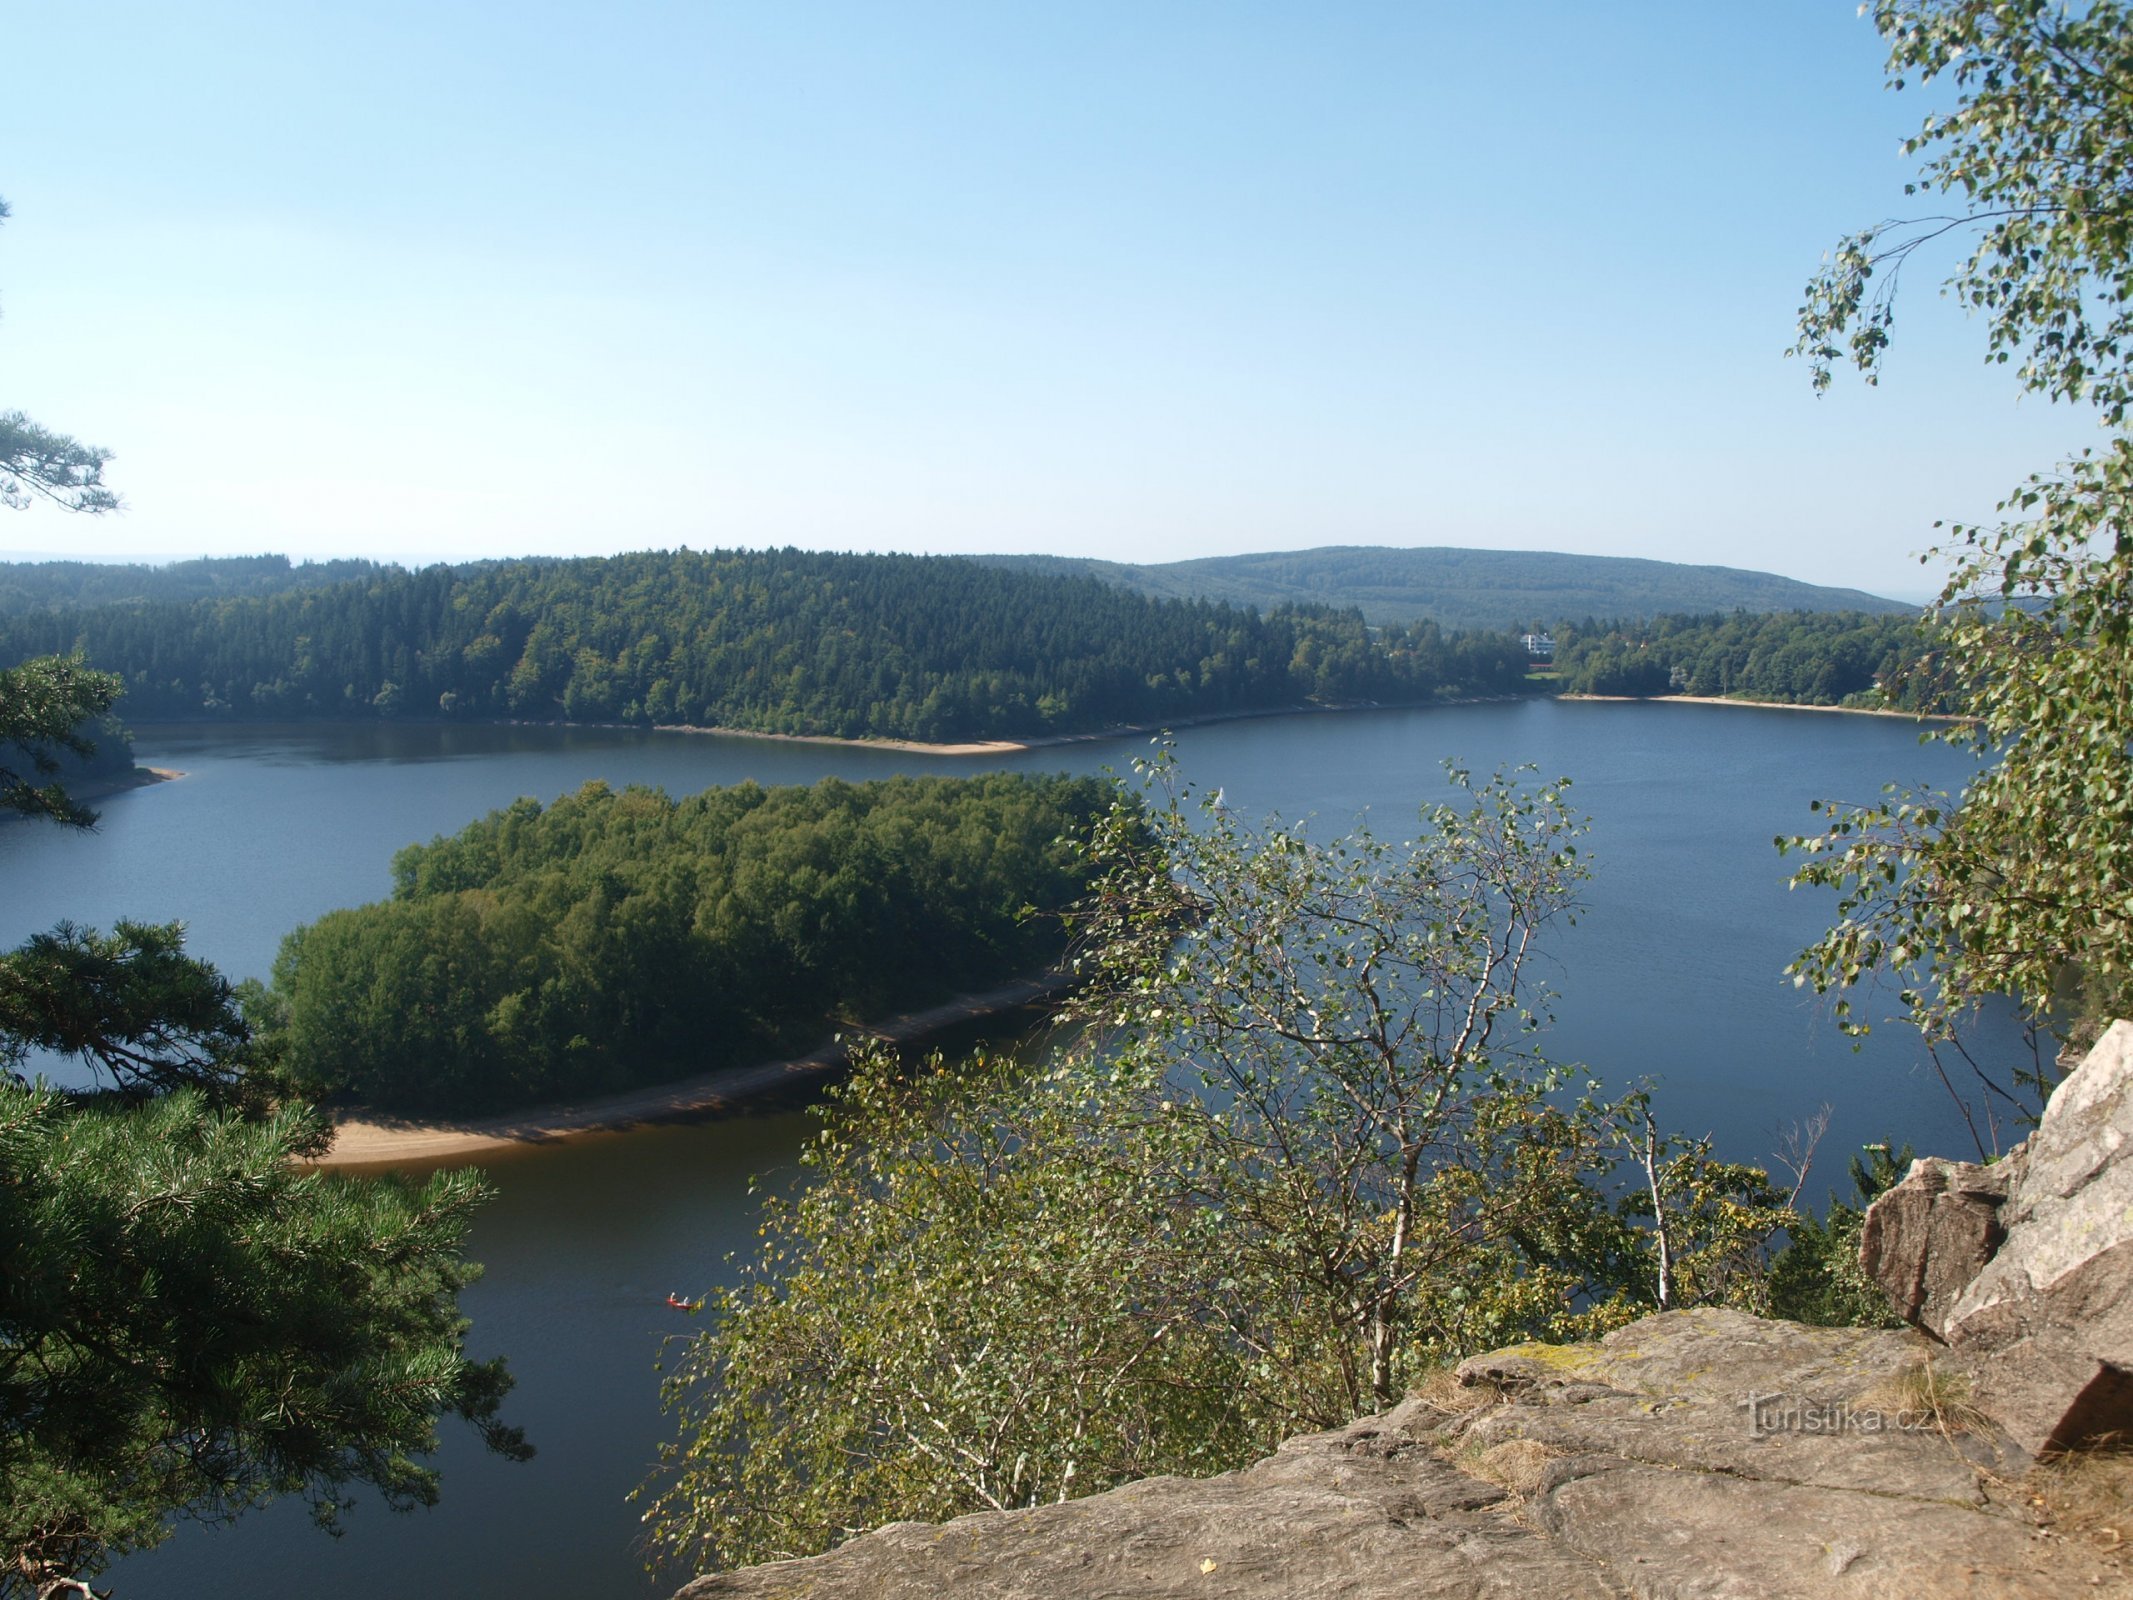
[63,585]
[783,641]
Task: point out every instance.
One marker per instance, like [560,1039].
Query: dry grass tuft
[1924,1396]
[1442,1391]
[1516,1465]
[2088,1493]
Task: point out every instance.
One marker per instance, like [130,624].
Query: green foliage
[2035,153]
[1470,589]
[190,1325]
[36,463]
[783,641]
[1708,1224]
[1351,1028]
[1816,1278]
[976,1301]
[54,724]
[1302,1150]
[2024,884]
[614,939]
[132,1006]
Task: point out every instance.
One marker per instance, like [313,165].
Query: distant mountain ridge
[1461,588]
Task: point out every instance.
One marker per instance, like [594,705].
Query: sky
[1143,281]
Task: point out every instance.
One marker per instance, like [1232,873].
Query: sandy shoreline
[977,747]
[361,1140]
[1761,705]
[1045,741]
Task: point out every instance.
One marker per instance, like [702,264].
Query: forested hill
[1466,588]
[60,585]
[783,641]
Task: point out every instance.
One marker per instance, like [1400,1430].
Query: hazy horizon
[1917,596]
[1117,282]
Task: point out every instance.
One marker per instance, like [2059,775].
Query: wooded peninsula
[616,939]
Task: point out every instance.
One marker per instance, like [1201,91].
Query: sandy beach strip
[362,1139]
[1046,741]
[1761,705]
[976,747]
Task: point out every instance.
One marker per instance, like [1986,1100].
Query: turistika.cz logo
[1791,1413]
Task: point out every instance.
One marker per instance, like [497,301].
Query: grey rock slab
[2044,1328]
[1711,1536]
[1722,1391]
[1342,1514]
[1632,1473]
[2071,1209]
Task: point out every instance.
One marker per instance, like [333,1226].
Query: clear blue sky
[1139,280]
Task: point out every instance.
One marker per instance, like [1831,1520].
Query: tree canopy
[777,641]
[1794,657]
[2022,885]
[612,939]
[2033,157]
[39,464]
[55,720]
[1303,1149]
[190,1323]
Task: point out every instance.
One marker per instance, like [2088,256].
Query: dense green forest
[1801,657]
[781,641]
[613,939]
[1464,588]
[59,585]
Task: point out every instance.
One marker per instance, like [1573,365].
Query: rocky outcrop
[1702,1453]
[2024,1269]
[1928,1238]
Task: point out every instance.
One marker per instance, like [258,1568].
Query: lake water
[1673,975]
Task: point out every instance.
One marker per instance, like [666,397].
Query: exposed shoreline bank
[1045,741]
[1761,705]
[363,1139]
[972,747]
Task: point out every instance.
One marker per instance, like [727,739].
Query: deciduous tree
[2023,884]
[1303,1148]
